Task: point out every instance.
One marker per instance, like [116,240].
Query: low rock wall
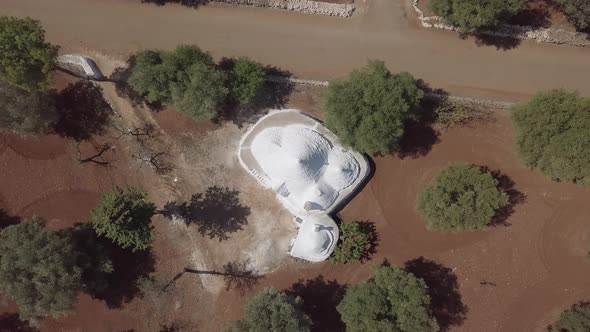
[541,35]
[302,6]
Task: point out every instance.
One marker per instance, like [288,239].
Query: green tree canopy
[186,77]
[38,270]
[393,300]
[353,243]
[578,12]
[575,319]
[26,60]
[473,15]
[202,95]
[124,217]
[25,112]
[369,109]
[273,311]
[552,135]
[461,197]
[247,80]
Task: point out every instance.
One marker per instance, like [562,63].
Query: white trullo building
[299,159]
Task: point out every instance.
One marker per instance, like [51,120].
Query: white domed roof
[316,239]
[303,165]
[342,169]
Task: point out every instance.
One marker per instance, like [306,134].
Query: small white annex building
[312,174]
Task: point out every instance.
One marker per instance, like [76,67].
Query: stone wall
[302,6]
[541,35]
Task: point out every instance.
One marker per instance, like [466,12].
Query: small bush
[578,12]
[575,319]
[461,197]
[368,110]
[470,15]
[450,113]
[247,80]
[552,135]
[393,300]
[273,311]
[353,243]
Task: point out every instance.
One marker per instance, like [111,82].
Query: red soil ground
[512,277]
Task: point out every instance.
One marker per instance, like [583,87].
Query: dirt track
[313,46]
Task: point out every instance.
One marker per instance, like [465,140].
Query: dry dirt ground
[313,46]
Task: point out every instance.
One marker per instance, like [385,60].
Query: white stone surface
[87,64]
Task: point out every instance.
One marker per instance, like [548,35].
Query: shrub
[248,79]
[451,113]
[393,300]
[26,60]
[368,110]
[552,135]
[273,311]
[461,197]
[124,217]
[578,12]
[575,319]
[26,112]
[353,243]
[38,270]
[470,15]
[186,77]
[93,258]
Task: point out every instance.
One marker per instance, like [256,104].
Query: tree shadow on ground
[275,95]
[13,323]
[369,228]
[128,267]
[500,43]
[82,111]
[515,197]
[535,14]
[217,212]
[237,274]
[188,3]
[120,76]
[7,220]
[419,135]
[443,287]
[320,298]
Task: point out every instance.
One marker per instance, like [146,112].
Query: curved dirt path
[313,46]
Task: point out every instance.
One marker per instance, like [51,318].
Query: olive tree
[124,217]
[392,300]
[26,112]
[578,12]
[38,270]
[574,319]
[470,15]
[26,60]
[552,135]
[247,80]
[186,78]
[461,197]
[271,310]
[369,109]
